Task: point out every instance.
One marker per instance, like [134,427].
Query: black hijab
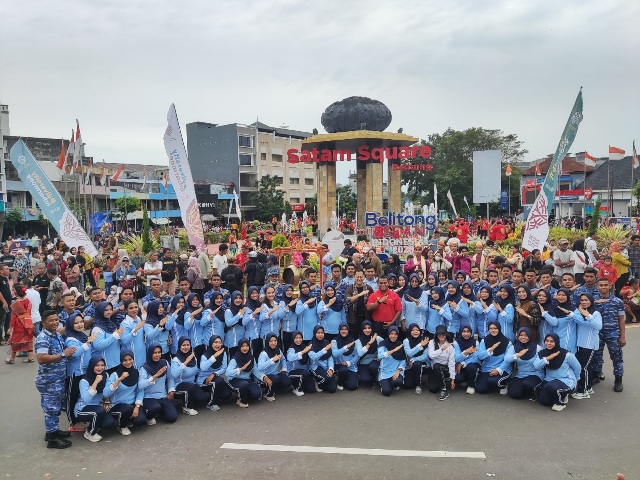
[242,358]
[233,307]
[338,305]
[343,341]
[559,360]
[210,352]
[464,343]
[389,345]
[413,292]
[548,305]
[191,309]
[107,325]
[70,331]
[592,307]
[153,317]
[490,340]
[568,305]
[364,339]
[511,297]
[401,291]
[174,306]
[212,305]
[271,352]
[304,297]
[531,346]
[471,296]
[133,372]
[411,339]
[152,367]
[180,355]
[456,297]
[441,300]
[252,304]
[90,376]
[299,348]
[317,345]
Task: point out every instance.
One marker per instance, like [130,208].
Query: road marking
[352,451]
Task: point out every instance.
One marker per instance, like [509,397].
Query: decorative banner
[182,180]
[537,225]
[49,200]
[504,200]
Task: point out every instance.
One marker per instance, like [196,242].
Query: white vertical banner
[455,212]
[182,180]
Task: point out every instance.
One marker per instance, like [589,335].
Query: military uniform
[50,378]
[609,335]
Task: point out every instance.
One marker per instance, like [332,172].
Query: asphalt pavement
[590,439]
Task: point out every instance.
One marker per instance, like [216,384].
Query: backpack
[261,274]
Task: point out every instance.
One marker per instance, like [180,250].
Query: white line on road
[352,451]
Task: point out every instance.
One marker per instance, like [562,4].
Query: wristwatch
[62,354]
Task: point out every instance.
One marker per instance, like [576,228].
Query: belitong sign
[399,233]
[363,153]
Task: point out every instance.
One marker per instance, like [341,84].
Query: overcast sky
[511,65]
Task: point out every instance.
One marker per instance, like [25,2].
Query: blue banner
[49,200]
[504,199]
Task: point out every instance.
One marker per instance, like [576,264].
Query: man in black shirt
[348,251]
[251,269]
[232,276]
[41,285]
[5,300]
[169,269]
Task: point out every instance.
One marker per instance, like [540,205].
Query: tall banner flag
[635,161]
[116,176]
[435,197]
[455,212]
[235,194]
[182,179]
[615,153]
[62,156]
[103,176]
[89,169]
[77,148]
[49,200]
[71,148]
[589,160]
[537,224]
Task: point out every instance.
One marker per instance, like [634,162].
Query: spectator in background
[152,270]
[591,248]
[634,256]
[220,261]
[168,274]
[562,259]
[621,264]
[183,265]
[5,300]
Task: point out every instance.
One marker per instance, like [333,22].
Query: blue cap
[273,271]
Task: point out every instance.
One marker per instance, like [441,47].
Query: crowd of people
[168,335]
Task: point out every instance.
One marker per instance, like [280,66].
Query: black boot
[58,443]
[617,384]
[57,434]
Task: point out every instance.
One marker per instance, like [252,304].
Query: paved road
[591,439]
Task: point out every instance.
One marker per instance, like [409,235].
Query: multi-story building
[240,155]
[4,154]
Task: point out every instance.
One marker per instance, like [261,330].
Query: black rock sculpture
[356,113]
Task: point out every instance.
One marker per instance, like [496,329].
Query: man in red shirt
[463,232]
[385,307]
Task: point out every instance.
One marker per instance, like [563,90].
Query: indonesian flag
[144,183]
[589,160]
[89,168]
[615,153]
[507,172]
[165,180]
[538,169]
[103,177]
[61,156]
[72,146]
[115,176]
[636,163]
[77,150]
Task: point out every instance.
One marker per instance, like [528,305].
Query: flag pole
[609,200]
[166,193]
[584,187]
[631,201]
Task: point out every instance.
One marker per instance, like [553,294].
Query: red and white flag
[88,175]
[62,156]
[103,177]
[165,180]
[636,163]
[72,146]
[115,176]
[77,149]
[144,182]
[507,171]
[615,153]
[589,160]
[538,169]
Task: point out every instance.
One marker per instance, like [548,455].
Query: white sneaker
[189,411]
[418,390]
[340,387]
[124,431]
[471,390]
[590,391]
[92,438]
[298,393]
[151,421]
[269,398]
[504,390]
[318,389]
[580,396]
[558,408]
[242,405]
[213,407]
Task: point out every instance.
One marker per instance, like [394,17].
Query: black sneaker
[617,385]
[59,443]
[601,377]
[443,395]
[58,434]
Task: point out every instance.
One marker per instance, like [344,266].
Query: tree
[269,200]
[636,193]
[593,225]
[452,166]
[311,206]
[147,245]
[13,218]
[348,200]
[126,205]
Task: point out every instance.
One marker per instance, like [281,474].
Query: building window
[276,158]
[279,180]
[245,141]
[246,160]
[294,200]
[294,181]
[308,181]
[263,157]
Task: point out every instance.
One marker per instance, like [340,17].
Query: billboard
[486,176]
